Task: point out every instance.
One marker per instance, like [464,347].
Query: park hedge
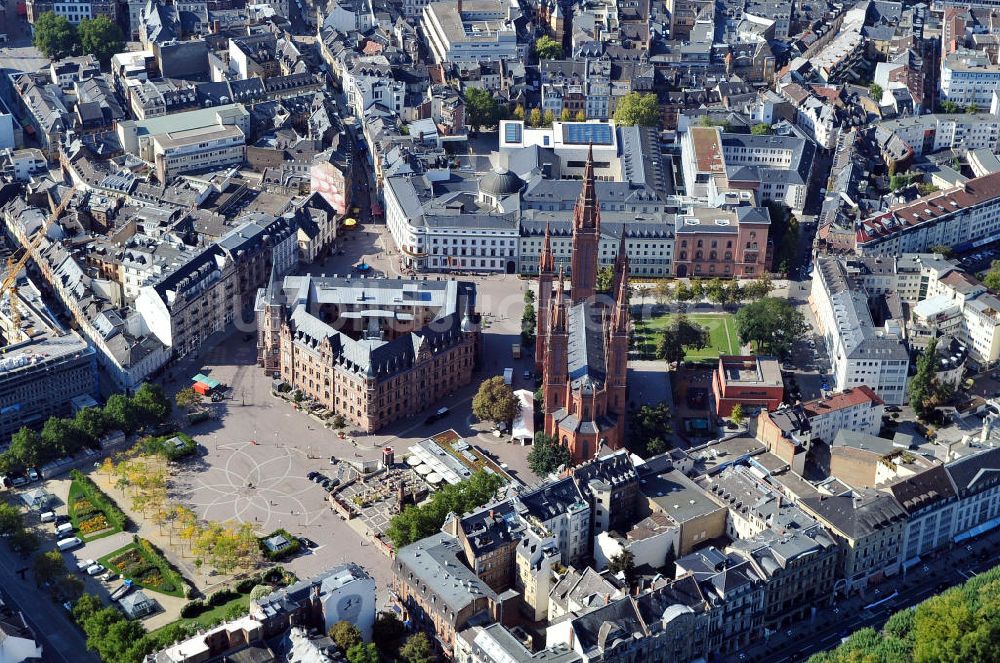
[115,516]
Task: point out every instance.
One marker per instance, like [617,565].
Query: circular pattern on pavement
[258,483]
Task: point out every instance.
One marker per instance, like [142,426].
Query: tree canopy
[992,278]
[761,129]
[637,109]
[495,401]
[363,653]
[481,109]
[772,324]
[418,522]
[547,454]
[649,429]
[960,624]
[55,36]
[679,334]
[922,384]
[100,37]
[346,635]
[547,48]
[61,436]
[417,649]
[624,563]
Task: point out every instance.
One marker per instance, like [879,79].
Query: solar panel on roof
[512,132]
[586,133]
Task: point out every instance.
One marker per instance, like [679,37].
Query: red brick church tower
[582,342]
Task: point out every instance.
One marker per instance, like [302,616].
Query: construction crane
[14,266]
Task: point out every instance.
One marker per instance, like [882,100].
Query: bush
[245,585]
[161,446]
[193,608]
[287,551]
[222,596]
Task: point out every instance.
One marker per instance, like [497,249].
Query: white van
[64,529]
[68,543]
[47,516]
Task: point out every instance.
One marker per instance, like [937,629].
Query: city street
[826,629]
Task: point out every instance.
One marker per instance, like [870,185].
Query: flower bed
[93,514]
[94,524]
[146,567]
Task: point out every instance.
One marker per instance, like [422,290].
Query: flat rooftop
[707,146]
[751,371]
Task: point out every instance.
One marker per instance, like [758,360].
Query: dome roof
[500,183]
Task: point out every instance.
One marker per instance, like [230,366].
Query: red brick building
[751,381]
[583,349]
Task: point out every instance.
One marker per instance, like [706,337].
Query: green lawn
[146,569]
[77,493]
[723,339]
[211,617]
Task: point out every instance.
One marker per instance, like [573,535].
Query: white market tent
[523,430]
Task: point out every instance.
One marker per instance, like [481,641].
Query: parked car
[893,408]
[84,564]
[440,414]
[312,475]
[20,481]
[95,569]
[60,519]
[308,543]
[68,543]
[32,474]
[47,516]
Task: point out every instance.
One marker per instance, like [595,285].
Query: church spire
[546,264]
[587,214]
[559,305]
[586,236]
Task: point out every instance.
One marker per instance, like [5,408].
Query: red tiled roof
[936,205]
[847,398]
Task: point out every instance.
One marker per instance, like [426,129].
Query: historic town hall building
[582,341]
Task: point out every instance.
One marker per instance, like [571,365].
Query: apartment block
[470,31]
[976,478]
[860,352]
[438,593]
[957,217]
[968,78]
[926,134]
[41,374]
[210,289]
[868,528]
[192,140]
[858,409]
[930,501]
[798,566]
[559,509]
[735,591]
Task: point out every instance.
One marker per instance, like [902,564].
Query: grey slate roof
[552,499]
[854,517]
[586,351]
[922,490]
[976,473]
[436,562]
